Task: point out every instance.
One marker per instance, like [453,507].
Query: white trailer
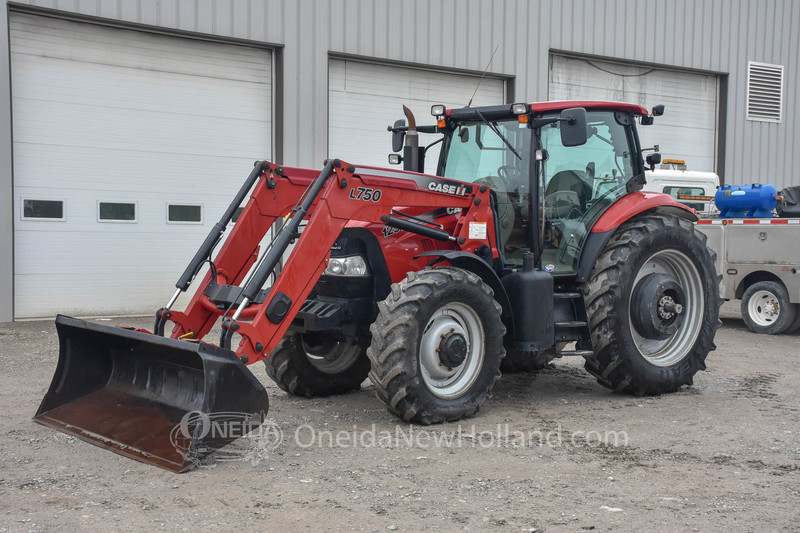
[759,259]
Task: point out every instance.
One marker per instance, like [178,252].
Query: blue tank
[746,201]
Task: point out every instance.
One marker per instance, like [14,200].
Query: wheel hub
[658,306]
[770,308]
[452,349]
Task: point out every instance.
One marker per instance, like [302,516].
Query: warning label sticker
[477,230]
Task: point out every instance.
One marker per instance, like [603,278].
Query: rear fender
[479,267]
[633,204]
[622,211]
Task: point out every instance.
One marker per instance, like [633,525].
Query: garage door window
[116,212]
[184,214]
[42,209]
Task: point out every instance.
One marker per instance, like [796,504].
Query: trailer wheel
[306,365]
[766,308]
[653,306]
[436,346]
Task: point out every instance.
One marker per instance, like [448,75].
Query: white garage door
[127,148]
[365,98]
[688,129]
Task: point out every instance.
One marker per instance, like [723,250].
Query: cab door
[579,183]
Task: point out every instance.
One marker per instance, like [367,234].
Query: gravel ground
[552,451]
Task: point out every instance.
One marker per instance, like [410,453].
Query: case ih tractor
[532,241]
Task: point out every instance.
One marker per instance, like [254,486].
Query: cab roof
[541,107]
[504,111]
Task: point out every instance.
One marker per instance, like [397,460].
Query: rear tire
[766,308]
[436,346]
[319,370]
[633,355]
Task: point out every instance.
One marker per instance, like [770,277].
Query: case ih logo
[448,188]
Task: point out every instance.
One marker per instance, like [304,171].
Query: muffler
[162,401]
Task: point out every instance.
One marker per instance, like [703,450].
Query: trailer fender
[483,270]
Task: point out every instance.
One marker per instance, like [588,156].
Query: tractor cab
[563,166]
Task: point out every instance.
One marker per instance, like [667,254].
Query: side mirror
[574,127]
[658,110]
[653,159]
[398,135]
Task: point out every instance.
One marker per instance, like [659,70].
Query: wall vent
[764,92]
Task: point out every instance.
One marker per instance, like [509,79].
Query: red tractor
[531,242]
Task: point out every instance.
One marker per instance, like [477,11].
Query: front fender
[483,270]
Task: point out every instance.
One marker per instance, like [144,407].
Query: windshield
[476,151]
[497,154]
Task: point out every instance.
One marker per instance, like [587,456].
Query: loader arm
[347,194]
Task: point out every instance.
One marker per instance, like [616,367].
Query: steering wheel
[511,177]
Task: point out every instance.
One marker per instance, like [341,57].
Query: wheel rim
[452,319]
[331,357]
[673,349]
[763,308]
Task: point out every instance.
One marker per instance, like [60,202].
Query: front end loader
[531,242]
[128,390]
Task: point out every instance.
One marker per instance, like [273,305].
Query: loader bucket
[161,401]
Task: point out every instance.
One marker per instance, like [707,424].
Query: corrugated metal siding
[712,35]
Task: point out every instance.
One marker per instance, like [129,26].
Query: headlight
[519,108]
[354,265]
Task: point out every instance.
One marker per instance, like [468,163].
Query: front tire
[766,308]
[436,346]
[653,306]
[313,365]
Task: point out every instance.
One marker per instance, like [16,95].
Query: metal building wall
[6,184]
[718,36]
